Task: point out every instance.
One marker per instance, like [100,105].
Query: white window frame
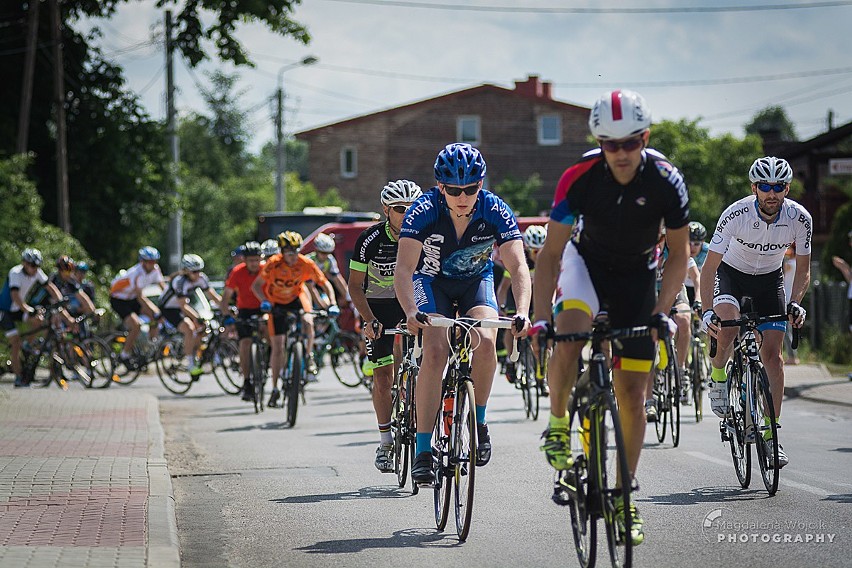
[542,141]
[460,120]
[353,173]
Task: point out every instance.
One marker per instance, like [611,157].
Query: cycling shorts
[628,298]
[173,315]
[8,321]
[765,290]
[125,308]
[389,313]
[278,321]
[436,295]
[243,328]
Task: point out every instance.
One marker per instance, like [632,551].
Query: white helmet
[770,170]
[269,247]
[191,262]
[324,243]
[534,236]
[619,114]
[400,191]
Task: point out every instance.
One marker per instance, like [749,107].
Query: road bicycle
[145,351]
[259,359]
[294,372]
[344,352]
[599,477]
[698,370]
[454,440]
[530,373]
[403,407]
[750,420]
[666,389]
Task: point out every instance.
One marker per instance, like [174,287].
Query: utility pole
[59,101]
[175,231]
[27,84]
[280,198]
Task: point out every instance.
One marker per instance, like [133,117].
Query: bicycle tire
[258,376]
[116,342]
[611,459]
[411,439]
[529,388]
[764,423]
[293,381]
[399,430]
[661,400]
[226,366]
[345,355]
[100,361]
[674,402]
[575,482]
[73,364]
[441,485]
[168,364]
[464,457]
[735,423]
[698,376]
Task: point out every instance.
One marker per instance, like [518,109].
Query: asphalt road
[251,492]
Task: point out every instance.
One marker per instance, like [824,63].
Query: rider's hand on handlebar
[520,325]
[797,314]
[708,323]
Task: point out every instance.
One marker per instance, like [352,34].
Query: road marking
[783,481]
[705,457]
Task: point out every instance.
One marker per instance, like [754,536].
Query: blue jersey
[445,256]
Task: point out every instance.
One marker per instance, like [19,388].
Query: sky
[705,60]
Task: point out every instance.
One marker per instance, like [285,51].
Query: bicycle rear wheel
[399,430]
[464,456]
[226,366]
[526,376]
[766,429]
[734,423]
[293,381]
[574,484]
[614,479]
[102,367]
[169,367]
[675,380]
[442,467]
[698,374]
[116,343]
[661,398]
[345,358]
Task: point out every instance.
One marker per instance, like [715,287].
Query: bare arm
[840,265]
[503,290]
[227,296]
[708,272]
[407,258]
[515,261]
[547,268]
[359,299]
[257,288]
[802,278]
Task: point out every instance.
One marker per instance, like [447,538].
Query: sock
[767,434]
[424,443]
[385,432]
[718,375]
[559,422]
[480,414]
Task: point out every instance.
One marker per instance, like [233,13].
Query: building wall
[403,143]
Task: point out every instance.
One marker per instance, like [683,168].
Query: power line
[153,80]
[565,10]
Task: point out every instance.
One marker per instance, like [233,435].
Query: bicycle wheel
[614,479]
[399,429]
[441,484]
[102,367]
[411,414]
[258,375]
[526,376]
[734,423]
[464,456]
[123,375]
[661,398]
[293,381]
[574,484]
[226,366]
[766,429]
[345,357]
[698,374]
[169,367]
[674,380]
[74,366]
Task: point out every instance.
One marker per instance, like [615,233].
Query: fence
[827,308]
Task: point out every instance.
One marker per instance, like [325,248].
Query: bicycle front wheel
[169,367]
[226,366]
[293,381]
[574,483]
[698,372]
[766,428]
[529,389]
[735,425]
[116,343]
[102,367]
[258,375]
[661,398]
[614,480]
[464,456]
[345,358]
[675,380]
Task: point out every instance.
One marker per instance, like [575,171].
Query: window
[349,162]
[467,129]
[549,130]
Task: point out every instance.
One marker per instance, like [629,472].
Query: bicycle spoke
[464,457]
[766,430]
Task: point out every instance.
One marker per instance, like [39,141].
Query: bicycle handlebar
[754,321]
[623,333]
[488,323]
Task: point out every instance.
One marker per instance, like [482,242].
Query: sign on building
[840,167]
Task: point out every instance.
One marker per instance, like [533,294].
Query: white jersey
[689,265]
[182,287]
[133,281]
[23,283]
[753,246]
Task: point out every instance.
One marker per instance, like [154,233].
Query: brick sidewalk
[82,480]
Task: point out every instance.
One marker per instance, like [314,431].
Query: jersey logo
[432,255]
[641,201]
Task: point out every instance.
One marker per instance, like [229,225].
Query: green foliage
[295,157]
[838,241]
[836,347]
[519,194]
[715,169]
[301,194]
[772,119]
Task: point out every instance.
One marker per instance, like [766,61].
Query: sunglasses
[627,145]
[776,187]
[696,243]
[455,190]
[401,209]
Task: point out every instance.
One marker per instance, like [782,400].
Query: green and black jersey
[375,254]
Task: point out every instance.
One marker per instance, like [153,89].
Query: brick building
[520,131]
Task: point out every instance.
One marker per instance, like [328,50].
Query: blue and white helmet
[459,164]
[32,255]
[149,253]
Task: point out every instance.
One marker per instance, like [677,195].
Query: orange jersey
[284,283]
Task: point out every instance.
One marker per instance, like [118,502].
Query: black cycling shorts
[173,315]
[243,328]
[765,290]
[125,307]
[279,315]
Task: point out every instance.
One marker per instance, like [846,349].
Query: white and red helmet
[619,114]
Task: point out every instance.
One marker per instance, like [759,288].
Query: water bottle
[144,330]
[448,413]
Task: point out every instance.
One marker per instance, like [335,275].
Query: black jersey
[620,223]
[375,254]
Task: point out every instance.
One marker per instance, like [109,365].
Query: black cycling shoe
[483,448]
[421,471]
[273,399]
[248,391]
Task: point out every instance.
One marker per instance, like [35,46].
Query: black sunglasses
[627,145]
[400,208]
[455,190]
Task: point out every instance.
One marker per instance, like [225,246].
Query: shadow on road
[405,538]
[842,498]
[386,492]
[250,427]
[706,495]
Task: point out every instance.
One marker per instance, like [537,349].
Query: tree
[771,120]
[519,194]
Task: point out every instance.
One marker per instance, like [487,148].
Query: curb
[801,390]
[163,547]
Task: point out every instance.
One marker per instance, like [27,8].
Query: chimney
[546,90]
[530,88]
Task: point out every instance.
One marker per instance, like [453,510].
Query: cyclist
[698,251]
[454,227]
[371,288]
[745,258]
[81,270]
[533,241]
[127,297]
[280,288]
[176,304]
[69,287]
[324,258]
[239,283]
[14,307]
[622,190]
[269,248]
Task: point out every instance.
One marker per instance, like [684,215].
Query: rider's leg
[133,326]
[276,358]
[770,355]
[428,388]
